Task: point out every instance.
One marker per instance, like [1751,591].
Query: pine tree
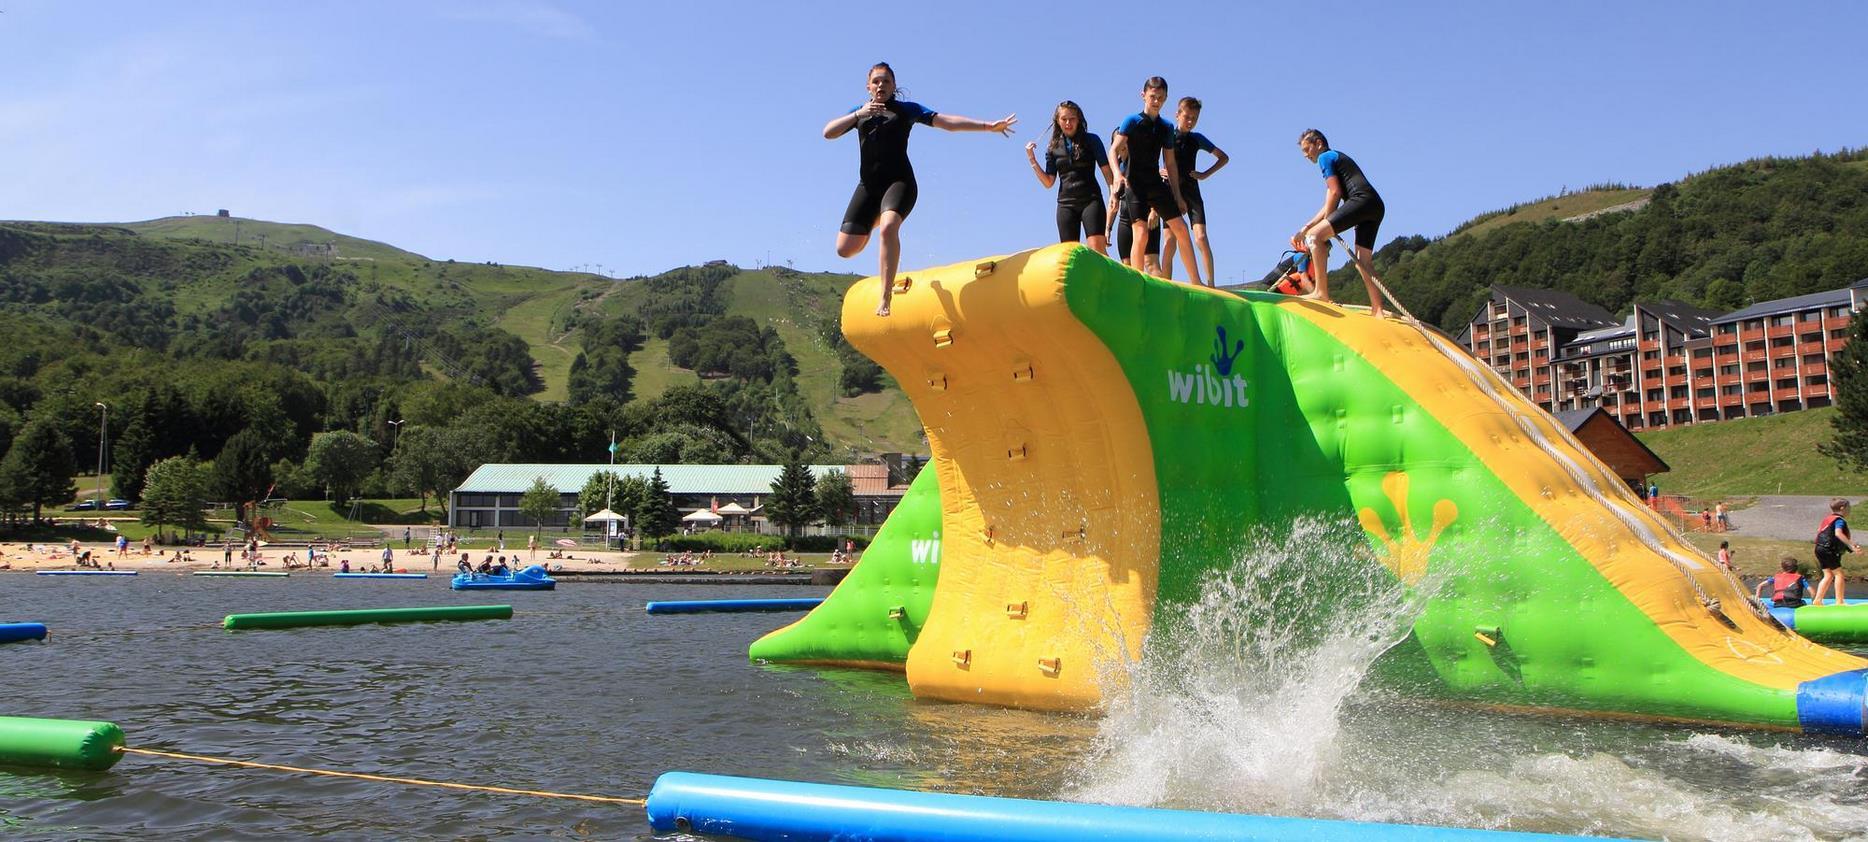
[793,503]
[655,513]
[1848,382]
[38,469]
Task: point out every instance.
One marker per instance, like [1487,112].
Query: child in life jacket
[1787,587]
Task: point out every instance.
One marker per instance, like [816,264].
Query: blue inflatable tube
[85,572]
[757,809]
[16,632]
[379,575]
[703,606]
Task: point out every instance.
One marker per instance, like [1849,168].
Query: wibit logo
[1213,385]
[925,551]
[1406,554]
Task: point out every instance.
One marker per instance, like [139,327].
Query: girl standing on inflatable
[885,189]
[1070,163]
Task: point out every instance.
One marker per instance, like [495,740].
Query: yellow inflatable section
[1047,482]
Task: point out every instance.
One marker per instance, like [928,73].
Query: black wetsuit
[887,180]
[1186,146]
[1147,189]
[1125,235]
[1361,207]
[1080,208]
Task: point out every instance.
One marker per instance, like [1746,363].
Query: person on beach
[1147,142]
[1724,524]
[885,188]
[1787,587]
[388,559]
[1349,201]
[1832,538]
[407,534]
[531,548]
[1071,161]
[1188,144]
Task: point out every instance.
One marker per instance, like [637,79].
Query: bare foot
[883,308]
[1316,296]
[1376,312]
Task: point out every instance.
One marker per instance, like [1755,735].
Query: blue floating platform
[16,632]
[757,809]
[84,572]
[707,606]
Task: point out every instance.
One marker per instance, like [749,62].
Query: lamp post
[395,434]
[103,434]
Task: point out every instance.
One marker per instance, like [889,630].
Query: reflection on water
[582,692]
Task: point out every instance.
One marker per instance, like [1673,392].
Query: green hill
[1753,456]
[286,237]
[1564,208]
[440,311]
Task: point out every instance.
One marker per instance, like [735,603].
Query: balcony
[1808,348]
[1812,368]
[1775,331]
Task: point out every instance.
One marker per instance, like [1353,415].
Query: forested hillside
[1763,229]
[289,366]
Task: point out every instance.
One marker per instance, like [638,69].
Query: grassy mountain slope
[1555,208]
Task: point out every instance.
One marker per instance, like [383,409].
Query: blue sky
[647,136]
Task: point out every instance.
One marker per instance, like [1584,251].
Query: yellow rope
[382,778]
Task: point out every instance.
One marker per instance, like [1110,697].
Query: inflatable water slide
[1104,443]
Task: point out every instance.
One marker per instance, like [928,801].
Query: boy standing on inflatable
[1349,201]
[1832,537]
[885,188]
[1147,142]
[1188,144]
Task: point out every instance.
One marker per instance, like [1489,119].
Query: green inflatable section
[1259,419]
[361,616]
[875,613]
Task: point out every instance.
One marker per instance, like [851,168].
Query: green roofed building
[489,499]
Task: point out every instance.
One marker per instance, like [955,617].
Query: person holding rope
[1349,201]
[885,189]
[1070,163]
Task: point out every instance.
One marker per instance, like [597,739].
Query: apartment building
[1667,363]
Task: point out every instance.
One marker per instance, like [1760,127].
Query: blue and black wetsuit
[1147,189]
[1080,208]
[1186,146]
[1125,236]
[1361,207]
[887,180]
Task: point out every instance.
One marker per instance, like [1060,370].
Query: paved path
[1786,517]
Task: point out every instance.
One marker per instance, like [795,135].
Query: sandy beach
[22,557]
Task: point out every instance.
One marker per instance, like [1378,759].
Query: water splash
[1237,703]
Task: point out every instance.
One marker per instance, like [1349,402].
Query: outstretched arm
[957,123]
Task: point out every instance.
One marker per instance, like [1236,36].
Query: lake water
[582,692]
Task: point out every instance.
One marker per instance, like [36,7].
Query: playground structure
[1104,443]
